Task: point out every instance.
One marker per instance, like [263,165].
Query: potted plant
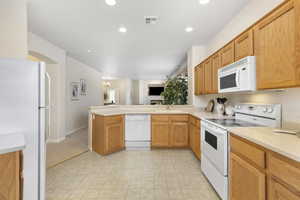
[176,91]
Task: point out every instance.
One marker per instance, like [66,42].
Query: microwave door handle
[237,78]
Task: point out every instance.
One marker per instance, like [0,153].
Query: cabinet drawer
[159,118]
[248,151]
[179,118]
[285,170]
[113,119]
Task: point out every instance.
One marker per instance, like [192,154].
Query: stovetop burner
[233,123]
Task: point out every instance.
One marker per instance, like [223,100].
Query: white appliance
[23,110]
[238,77]
[214,139]
[138,131]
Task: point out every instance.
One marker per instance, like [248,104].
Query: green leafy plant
[176,91]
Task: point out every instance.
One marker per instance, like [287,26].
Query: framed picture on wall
[75,87]
[83,87]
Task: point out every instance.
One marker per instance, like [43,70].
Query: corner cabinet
[108,134]
[11,180]
[169,131]
[277,47]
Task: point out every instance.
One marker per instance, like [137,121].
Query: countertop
[284,144]
[11,143]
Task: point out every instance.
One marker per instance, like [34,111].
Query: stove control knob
[265,110]
[270,110]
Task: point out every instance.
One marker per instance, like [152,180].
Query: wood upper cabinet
[201,79]
[108,134]
[208,76]
[246,182]
[196,81]
[216,65]
[169,131]
[279,192]
[10,176]
[243,45]
[227,54]
[277,47]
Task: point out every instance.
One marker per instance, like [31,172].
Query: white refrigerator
[23,109]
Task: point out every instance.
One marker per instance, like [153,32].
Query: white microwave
[238,77]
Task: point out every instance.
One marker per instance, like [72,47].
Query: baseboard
[75,130]
[58,140]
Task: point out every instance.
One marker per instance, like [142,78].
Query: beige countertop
[284,144]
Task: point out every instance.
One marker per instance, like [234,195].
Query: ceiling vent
[151,19]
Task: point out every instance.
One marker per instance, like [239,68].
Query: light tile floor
[130,175]
[73,145]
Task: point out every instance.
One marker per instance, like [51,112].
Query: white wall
[77,111]
[13,33]
[245,18]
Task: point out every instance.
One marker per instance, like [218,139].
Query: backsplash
[289,98]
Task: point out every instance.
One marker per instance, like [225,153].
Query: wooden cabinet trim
[287,6]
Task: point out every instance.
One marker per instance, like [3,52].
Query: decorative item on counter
[210,106]
[229,110]
[221,109]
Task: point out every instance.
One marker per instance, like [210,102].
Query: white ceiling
[145,51]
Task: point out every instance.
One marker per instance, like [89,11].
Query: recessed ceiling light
[111,2]
[122,29]
[189,29]
[89,51]
[204,1]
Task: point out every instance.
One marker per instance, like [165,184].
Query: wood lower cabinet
[247,182]
[279,192]
[108,134]
[250,178]
[277,48]
[195,135]
[160,134]
[169,131]
[11,181]
[243,45]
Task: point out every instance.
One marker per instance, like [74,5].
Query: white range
[214,139]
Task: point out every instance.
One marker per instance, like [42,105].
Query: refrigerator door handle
[48,107]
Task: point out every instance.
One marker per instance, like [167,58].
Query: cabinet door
[197,142]
[160,134]
[10,176]
[201,79]
[244,45]
[245,181]
[227,54]
[179,134]
[276,48]
[114,137]
[279,192]
[191,136]
[196,80]
[207,77]
[216,65]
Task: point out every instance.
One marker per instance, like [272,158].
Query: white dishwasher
[137,131]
